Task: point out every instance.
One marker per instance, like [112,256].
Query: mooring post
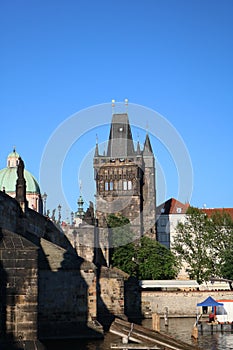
[166,316]
[125,340]
[156,322]
[195,332]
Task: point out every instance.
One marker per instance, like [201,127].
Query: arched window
[120,185]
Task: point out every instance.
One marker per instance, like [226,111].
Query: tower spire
[96,147]
[147,146]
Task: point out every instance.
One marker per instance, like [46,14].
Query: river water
[180,328]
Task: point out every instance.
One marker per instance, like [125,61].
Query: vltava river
[180,328]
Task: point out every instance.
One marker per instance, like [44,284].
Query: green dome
[8,178]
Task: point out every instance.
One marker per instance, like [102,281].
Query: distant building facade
[169,214]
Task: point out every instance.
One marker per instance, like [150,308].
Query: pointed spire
[138,148]
[80,213]
[96,147]
[147,146]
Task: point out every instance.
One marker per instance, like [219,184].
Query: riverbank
[177,303]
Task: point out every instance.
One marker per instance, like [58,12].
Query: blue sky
[172,56]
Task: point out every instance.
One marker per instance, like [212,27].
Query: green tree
[191,245]
[120,232]
[123,258]
[205,244]
[146,259]
[221,243]
[155,261]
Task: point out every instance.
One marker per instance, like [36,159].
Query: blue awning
[210,302]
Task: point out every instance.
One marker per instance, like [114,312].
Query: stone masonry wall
[178,303]
[110,295]
[67,301]
[18,287]
[62,304]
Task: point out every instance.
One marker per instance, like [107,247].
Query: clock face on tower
[120,129]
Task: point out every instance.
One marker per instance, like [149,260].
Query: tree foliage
[155,261]
[221,242]
[146,259]
[123,258]
[205,244]
[120,232]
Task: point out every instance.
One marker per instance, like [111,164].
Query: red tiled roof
[172,206]
[211,211]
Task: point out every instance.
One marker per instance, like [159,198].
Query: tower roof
[120,143]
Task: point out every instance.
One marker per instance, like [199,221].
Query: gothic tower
[125,179]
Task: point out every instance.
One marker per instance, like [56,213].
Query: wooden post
[156,322]
[166,316]
[125,340]
[195,332]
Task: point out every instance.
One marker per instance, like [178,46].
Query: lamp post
[44,198]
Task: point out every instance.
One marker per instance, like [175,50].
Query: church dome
[8,178]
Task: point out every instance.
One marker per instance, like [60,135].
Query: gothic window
[120,185]
[111,186]
[127,185]
[106,186]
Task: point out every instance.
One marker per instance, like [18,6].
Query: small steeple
[147,146]
[96,148]
[80,213]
